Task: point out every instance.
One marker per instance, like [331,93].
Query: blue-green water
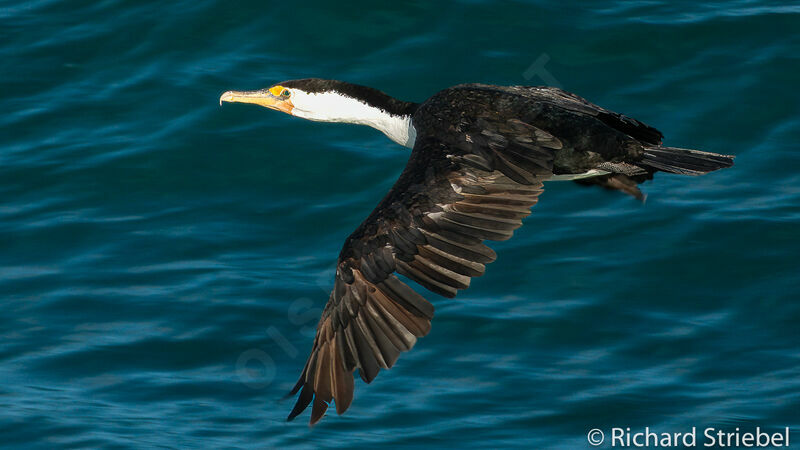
[163,260]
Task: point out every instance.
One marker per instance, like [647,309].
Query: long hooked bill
[261,97]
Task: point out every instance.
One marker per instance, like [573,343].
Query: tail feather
[684,161]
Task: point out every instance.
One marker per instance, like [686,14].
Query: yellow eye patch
[276,90]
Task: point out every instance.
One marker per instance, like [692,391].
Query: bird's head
[335,101]
[311,98]
[323,100]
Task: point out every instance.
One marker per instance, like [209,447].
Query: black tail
[684,161]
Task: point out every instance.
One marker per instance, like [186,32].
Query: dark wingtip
[317,411]
[306,395]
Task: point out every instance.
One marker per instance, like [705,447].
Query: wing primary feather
[351,344]
[298,385]
[404,295]
[426,281]
[471,230]
[338,376]
[439,273]
[306,395]
[418,325]
[396,325]
[369,364]
[343,386]
[512,171]
[483,221]
[322,381]
[370,340]
[451,262]
[389,352]
[463,239]
[385,328]
[344,349]
[312,366]
[501,198]
[317,410]
[506,212]
[472,252]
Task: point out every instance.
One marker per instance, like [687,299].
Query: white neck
[334,107]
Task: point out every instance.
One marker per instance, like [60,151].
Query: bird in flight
[480,154]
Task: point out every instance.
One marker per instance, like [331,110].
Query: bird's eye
[285,93]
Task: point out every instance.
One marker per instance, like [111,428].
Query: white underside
[578,176]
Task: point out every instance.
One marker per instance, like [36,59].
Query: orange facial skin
[277,98]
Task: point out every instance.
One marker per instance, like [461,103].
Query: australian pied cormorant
[480,154]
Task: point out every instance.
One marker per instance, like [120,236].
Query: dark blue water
[163,261]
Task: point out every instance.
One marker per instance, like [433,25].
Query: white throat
[334,107]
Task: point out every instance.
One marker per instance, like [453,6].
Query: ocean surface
[164,260]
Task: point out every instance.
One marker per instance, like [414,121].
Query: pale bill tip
[225,97]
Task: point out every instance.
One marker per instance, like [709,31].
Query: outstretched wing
[470,184]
